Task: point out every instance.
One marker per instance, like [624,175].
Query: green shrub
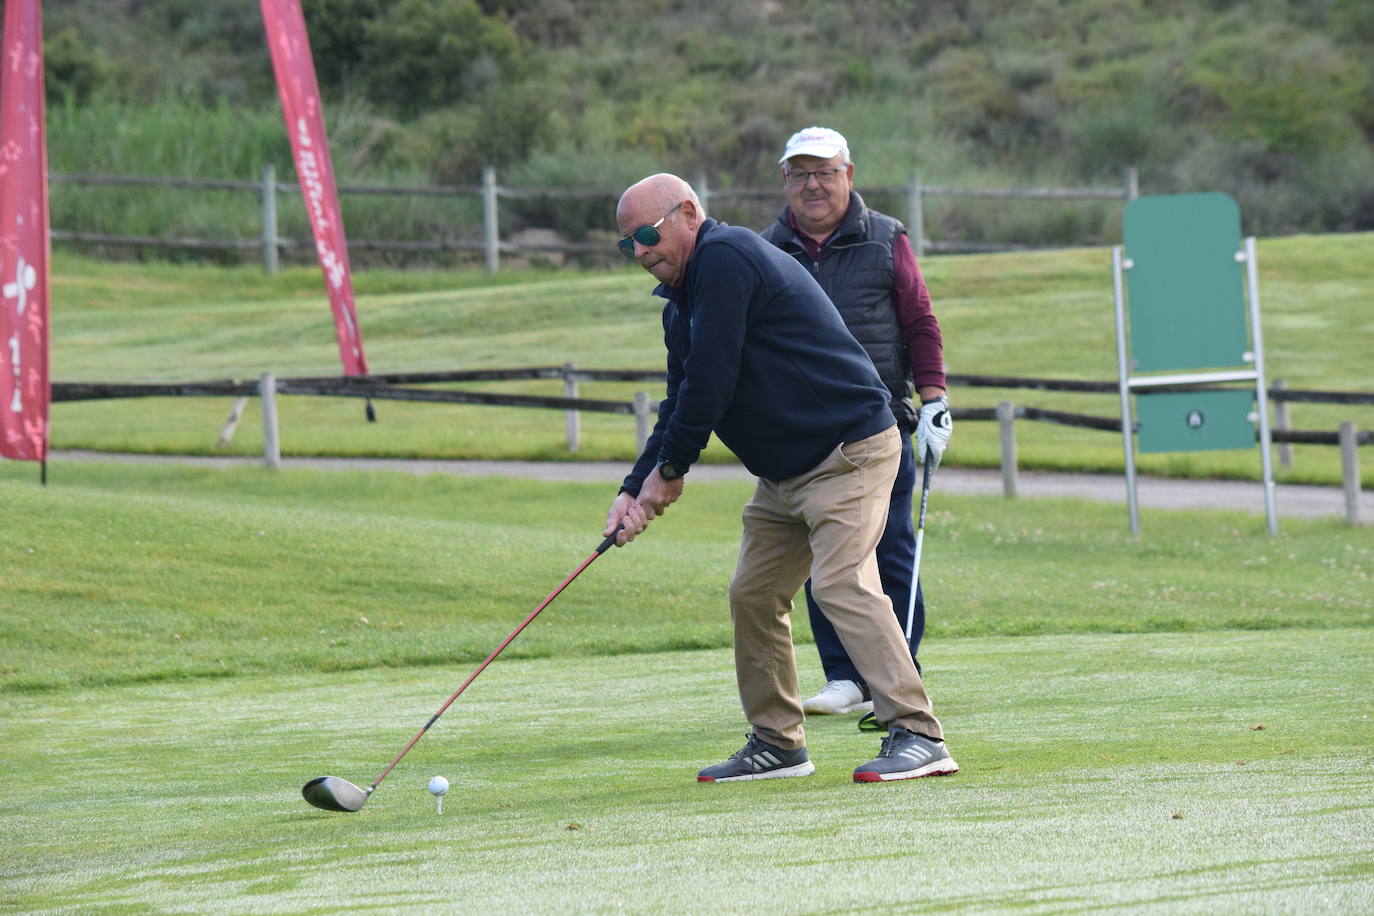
[971,99]
[426,54]
[72,69]
[575,167]
[1101,141]
[1290,92]
[339,40]
[1281,194]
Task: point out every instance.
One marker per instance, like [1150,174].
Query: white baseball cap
[815,141]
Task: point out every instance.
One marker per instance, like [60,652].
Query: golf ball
[438,785]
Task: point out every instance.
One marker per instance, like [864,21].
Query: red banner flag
[24,246]
[300,104]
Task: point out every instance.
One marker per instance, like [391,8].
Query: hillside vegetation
[1270,100]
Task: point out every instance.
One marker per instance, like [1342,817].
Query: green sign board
[1185,285]
[1195,421]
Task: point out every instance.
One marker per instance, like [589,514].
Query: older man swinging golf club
[759,356]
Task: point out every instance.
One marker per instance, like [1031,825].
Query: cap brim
[819,150]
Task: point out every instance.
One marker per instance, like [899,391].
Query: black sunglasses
[648,236]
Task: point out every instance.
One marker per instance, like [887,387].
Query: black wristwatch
[669,471]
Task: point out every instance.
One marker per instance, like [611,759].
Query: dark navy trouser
[896,555]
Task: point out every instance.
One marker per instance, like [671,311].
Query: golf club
[335,794]
[920,536]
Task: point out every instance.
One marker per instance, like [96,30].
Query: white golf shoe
[837,698]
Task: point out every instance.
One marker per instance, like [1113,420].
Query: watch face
[668,472]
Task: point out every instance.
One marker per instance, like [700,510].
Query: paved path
[1293,500]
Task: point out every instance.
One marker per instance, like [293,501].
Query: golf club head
[334,794]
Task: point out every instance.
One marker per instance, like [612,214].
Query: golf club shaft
[605,545]
[920,538]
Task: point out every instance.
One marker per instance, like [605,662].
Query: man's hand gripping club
[632,514]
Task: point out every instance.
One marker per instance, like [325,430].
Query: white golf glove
[933,428]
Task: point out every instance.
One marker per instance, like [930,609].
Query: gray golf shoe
[907,755]
[759,760]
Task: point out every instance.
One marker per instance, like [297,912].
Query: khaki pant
[824,524]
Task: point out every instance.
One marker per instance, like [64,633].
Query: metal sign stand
[1131,383]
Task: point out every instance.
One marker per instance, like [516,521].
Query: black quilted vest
[856,272]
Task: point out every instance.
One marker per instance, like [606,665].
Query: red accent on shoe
[876,777]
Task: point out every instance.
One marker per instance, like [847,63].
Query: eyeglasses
[648,236]
[800,177]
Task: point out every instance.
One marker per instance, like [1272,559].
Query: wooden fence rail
[1278,391]
[268,188]
[383,386]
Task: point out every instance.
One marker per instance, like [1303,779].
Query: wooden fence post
[1350,471]
[915,215]
[271,442]
[703,193]
[1131,184]
[643,415]
[1006,425]
[269,218]
[574,417]
[232,423]
[491,235]
[1281,422]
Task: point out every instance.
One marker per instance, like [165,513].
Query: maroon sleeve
[925,350]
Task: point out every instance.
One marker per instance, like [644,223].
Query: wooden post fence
[491,233]
[385,386]
[1281,422]
[915,215]
[1006,426]
[703,192]
[574,417]
[643,419]
[271,444]
[269,218]
[1350,471]
[270,243]
[231,424]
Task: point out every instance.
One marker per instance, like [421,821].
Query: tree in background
[422,55]
[339,39]
[73,69]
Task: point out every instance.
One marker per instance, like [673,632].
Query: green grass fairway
[1178,724]
[1219,772]
[118,573]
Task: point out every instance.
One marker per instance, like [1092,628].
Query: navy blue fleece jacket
[758,355]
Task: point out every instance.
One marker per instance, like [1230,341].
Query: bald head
[657,192]
[669,206]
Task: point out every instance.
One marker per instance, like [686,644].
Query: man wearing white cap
[864,262]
